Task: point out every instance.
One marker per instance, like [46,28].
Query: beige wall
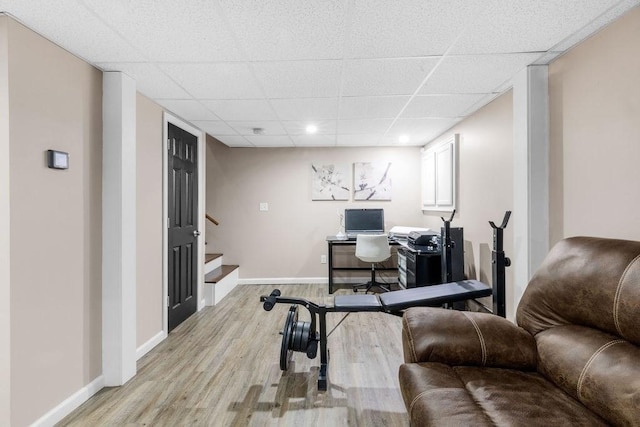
[287,241]
[485,186]
[5,250]
[55,103]
[149,219]
[594,138]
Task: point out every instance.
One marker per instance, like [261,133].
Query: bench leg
[324,354]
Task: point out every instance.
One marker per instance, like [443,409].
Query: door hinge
[168,144]
[168,222]
[168,305]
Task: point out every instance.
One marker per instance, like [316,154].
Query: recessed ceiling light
[403,139]
[312,129]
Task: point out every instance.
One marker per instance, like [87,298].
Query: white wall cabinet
[439,176]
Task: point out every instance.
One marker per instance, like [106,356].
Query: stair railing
[210,218]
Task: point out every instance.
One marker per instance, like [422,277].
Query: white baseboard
[284,281]
[305,280]
[69,404]
[146,347]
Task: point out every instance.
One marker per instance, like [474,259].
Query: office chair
[372,248]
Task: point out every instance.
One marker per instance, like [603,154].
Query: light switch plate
[264,207]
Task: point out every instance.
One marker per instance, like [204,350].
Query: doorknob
[196,233]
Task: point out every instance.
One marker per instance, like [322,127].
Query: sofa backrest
[583,308]
[586,281]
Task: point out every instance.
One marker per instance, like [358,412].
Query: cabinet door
[439,176]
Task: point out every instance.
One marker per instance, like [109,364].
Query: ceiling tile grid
[363,72]
[398,76]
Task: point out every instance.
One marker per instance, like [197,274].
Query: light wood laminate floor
[221,368]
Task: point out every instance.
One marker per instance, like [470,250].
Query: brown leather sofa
[574,359]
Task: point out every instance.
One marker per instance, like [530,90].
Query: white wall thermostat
[57,159]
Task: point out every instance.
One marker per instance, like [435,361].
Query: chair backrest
[583,308]
[372,247]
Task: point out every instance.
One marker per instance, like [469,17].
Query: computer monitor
[363,221]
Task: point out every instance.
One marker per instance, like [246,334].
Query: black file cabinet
[415,269]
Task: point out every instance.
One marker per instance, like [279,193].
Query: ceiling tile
[363,126]
[150,81]
[423,130]
[306,108]
[270,140]
[299,79]
[188,109]
[525,25]
[394,141]
[373,107]
[440,105]
[475,74]
[194,31]
[234,141]
[353,67]
[215,127]
[300,127]
[369,77]
[75,28]
[287,29]
[593,26]
[227,80]
[314,140]
[245,109]
[362,140]
[407,28]
[268,127]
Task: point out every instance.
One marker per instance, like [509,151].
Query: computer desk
[334,241]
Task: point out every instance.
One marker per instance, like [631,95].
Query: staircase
[219,279]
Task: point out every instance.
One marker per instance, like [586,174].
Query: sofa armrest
[465,338]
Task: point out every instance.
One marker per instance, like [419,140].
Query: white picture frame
[372,181]
[330,181]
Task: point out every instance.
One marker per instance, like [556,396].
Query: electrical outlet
[264,207]
[323,259]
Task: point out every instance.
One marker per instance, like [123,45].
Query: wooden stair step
[219,273]
[211,257]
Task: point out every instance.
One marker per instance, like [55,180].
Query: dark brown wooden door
[183,224]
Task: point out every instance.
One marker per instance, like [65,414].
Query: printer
[425,241]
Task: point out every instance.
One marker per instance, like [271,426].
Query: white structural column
[118,228]
[530,175]
[5,233]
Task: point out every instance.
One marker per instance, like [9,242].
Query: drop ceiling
[364,72]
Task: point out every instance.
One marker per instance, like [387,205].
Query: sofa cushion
[599,369]
[465,338]
[436,394]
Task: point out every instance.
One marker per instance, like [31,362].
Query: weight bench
[302,336]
